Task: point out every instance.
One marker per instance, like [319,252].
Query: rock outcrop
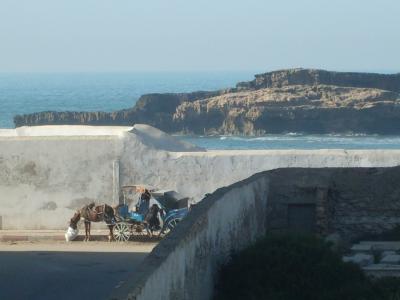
[312,109]
[277,79]
[295,100]
[153,109]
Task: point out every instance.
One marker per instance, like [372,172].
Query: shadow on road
[64,275]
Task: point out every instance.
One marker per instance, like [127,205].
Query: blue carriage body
[173,208]
[127,215]
[168,201]
[123,212]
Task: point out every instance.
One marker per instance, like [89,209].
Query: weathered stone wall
[197,173]
[184,265]
[351,202]
[43,179]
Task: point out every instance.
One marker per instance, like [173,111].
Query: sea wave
[299,141]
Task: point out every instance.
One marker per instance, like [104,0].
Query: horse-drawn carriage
[169,209]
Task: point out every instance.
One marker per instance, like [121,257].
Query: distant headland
[293,100]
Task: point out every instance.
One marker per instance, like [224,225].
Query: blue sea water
[296,141]
[22,93]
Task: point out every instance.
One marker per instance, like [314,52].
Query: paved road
[64,275]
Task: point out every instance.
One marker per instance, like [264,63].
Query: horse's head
[73,222]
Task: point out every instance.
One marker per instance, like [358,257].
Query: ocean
[22,93]
[295,141]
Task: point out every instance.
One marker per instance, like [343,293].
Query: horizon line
[253,71]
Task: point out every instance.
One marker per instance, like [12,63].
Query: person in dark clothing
[144,203]
[152,219]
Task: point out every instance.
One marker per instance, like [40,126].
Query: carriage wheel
[122,232]
[171,225]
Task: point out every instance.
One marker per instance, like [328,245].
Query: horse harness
[88,213]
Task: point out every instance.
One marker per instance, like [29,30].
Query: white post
[116,181]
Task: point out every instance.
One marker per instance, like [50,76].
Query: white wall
[38,172]
[44,180]
[197,173]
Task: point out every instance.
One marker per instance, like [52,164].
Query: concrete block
[361,248]
[393,259]
[382,270]
[360,259]
[388,252]
[382,245]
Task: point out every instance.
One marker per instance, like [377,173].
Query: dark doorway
[301,217]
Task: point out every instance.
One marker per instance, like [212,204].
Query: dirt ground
[77,246]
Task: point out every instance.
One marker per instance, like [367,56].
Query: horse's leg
[89,225]
[110,235]
[85,231]
[147,227]
[151,230]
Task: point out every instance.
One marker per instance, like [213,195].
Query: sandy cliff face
[313,109]
[296,100]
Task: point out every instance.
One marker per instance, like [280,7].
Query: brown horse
[91,213]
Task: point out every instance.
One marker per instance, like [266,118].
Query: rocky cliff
[277,79]
[312,109]
[153,109]
[295,100]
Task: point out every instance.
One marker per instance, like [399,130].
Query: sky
[202,35]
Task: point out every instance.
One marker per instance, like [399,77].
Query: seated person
[142,207]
